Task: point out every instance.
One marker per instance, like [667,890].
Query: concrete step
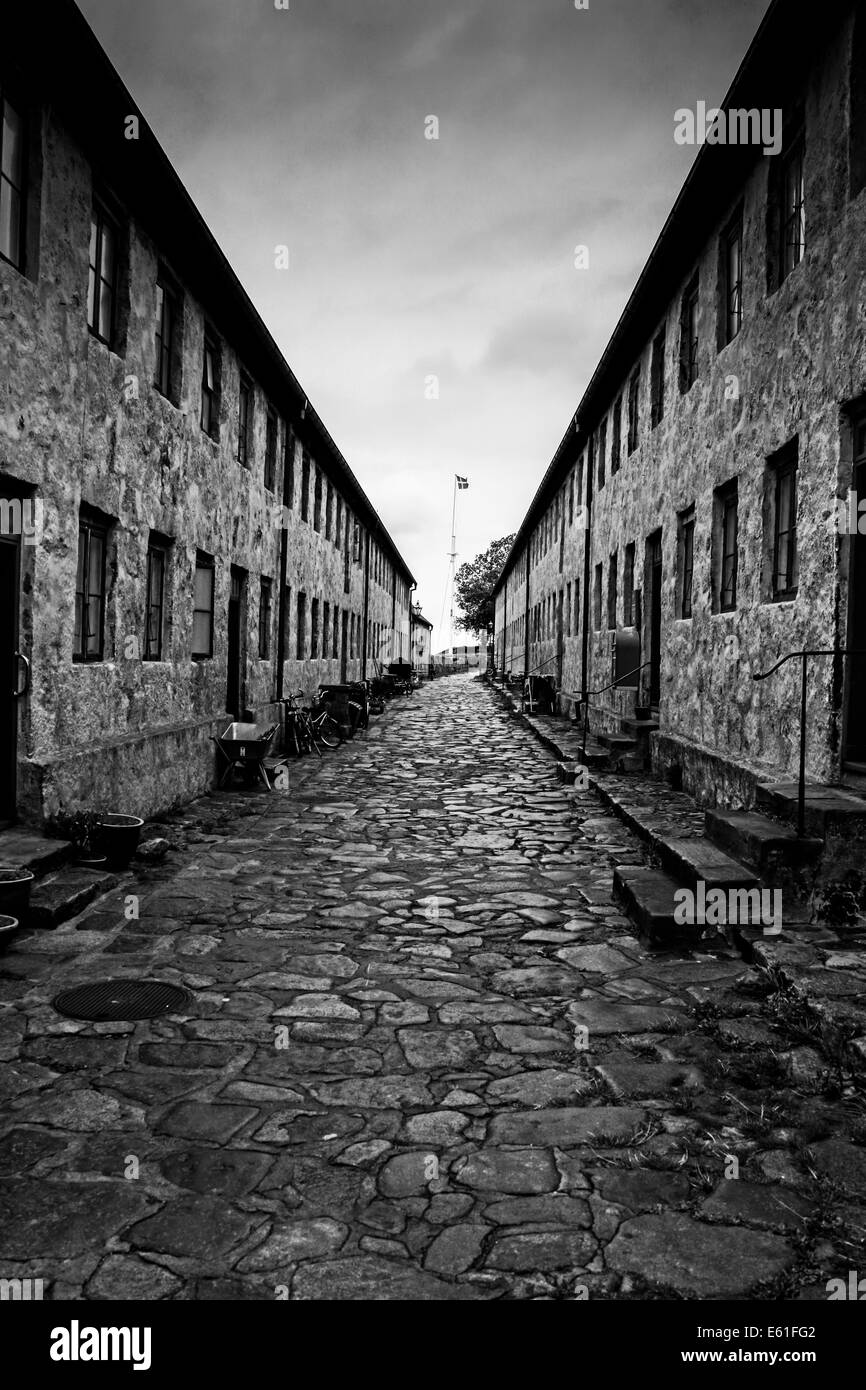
[697,859]
[24,849]
[764,844]
[64,894]
[829,810]
[647,895]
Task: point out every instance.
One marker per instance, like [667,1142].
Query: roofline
[787,34]
[86,91]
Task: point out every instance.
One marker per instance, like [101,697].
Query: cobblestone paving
[426,1059]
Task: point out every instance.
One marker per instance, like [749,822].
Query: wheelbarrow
[246,747]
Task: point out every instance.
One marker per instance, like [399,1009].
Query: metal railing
[804,655]
[601,691]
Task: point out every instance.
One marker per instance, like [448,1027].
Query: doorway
[654,616]
[235,692]
[9,676]
[854,756]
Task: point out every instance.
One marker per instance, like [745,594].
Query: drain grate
[121,1001]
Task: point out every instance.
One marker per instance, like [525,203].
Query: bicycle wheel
[327,732]
[293,743]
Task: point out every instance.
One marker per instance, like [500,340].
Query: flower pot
[15,886]
[8,927]
[118,837]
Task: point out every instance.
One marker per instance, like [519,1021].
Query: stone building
[688,523]
[421,641]
[182,540]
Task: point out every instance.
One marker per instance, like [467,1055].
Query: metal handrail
[601,692]
[804,655]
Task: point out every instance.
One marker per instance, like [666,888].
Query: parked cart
[246,747]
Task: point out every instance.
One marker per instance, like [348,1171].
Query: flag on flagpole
[462,483]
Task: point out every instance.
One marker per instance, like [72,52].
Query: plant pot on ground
[118,837]
[15,886]
[8,927]
[81,828]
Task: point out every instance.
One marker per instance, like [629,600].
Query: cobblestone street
[426,1058]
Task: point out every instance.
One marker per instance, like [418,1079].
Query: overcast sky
[412,257]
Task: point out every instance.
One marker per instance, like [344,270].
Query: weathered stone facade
[86,436]
[769,401]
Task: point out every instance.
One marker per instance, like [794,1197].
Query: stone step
[829,810]
[697,859]
[647,896]
[24,849]
[760,842]
[618,743]
[640,728]
[64,894]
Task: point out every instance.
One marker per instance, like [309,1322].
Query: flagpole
[453,558]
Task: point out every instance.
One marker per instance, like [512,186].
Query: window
[567,625]
[579,489]
[602,451]
[657,380]
[335,650]
[202,613]
[689,337]
[301,648]
[102,280]
[166,330]
[338,524]
[571,500]
[633,409]
[857,121]
[157,561]
[725,538]
[785,564]
[90,590]
[210,387]
[616,437]
[685,561]
[271,449]
[611,592]
[576,606]
[329,510]
[326,626]
[357,544]
[13,135]
[305,487]
[265,606]
[317,501]
[245,415]
[628,587]
[793,221]
[289,470]
[732,279]
[596,599]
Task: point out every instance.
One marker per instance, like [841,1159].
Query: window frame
[266,613]
[628,613]
[89,527]
[167,318]
[785,466]
[100,218]
[246,409]
[689,338]
[210,394]
[204,563]
[657,378]
[685,563]
[155,547]
[732,291]
[727,507]
[633,440]
[19,191]
[272,436]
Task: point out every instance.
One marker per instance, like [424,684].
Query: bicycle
[305,731]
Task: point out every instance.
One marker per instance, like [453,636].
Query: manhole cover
[116,1001]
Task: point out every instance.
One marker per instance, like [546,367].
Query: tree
[473,586]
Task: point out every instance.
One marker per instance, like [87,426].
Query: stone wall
[792,374]
[82,424]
